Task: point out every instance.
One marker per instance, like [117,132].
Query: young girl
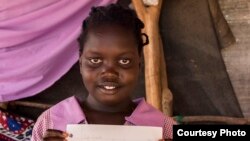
[111,51]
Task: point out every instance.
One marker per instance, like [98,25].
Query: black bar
[211,132]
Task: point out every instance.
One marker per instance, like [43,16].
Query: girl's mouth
[109,88]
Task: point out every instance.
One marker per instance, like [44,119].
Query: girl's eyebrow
[128,53]
[97,53]
[94,53]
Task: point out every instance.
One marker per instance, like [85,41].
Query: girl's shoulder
[64,112]
[146,114]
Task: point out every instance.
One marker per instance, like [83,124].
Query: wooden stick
[139,8]
[4,105]
[151,54]
[215,119]
[157,92]
[167,97]
[30,104]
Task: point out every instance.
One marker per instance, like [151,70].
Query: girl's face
[110,65]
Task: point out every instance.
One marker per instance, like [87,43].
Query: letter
[187,133]
[222,131]
[205,133]
[234,133]
[178,132]
[243,133]
[214,134]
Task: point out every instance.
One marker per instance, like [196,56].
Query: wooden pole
[167,96]
[157,92]
[30,104]
[214,119]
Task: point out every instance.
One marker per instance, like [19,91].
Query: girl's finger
[55,133]
[54,139]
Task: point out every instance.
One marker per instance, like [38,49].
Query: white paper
[87,132]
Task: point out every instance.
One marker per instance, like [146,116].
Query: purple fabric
[69,111]
[61,118]
[38,43]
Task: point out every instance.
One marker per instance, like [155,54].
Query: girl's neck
[126,106]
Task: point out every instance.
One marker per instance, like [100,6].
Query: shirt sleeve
[168,128]
[43,123]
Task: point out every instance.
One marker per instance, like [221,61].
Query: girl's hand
[55,135]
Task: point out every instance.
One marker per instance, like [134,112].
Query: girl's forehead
[114,36]
[107,38]
[111,29]
[110,43]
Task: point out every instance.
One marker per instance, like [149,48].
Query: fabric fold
[38,43]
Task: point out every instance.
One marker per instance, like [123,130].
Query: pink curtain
[38,43]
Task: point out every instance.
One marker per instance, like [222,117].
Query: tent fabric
[194,32]
[223,32]
[38,43]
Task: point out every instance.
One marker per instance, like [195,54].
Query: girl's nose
[109,69]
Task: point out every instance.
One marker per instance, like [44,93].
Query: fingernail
[65,134]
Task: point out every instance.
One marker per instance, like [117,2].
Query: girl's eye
[95,60]
[124,61]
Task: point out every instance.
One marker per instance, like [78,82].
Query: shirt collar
[66,112]
[69,111]
[145,114]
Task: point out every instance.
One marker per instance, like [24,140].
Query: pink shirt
[69,111]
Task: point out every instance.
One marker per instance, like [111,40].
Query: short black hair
[113,14]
